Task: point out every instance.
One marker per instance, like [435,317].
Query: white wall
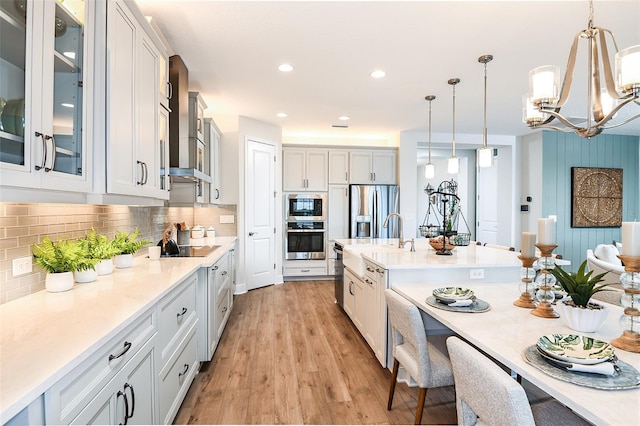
[531,184]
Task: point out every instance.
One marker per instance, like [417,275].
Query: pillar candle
[546,231]
[631,238]
[528,244]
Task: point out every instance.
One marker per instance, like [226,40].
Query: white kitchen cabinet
[47,82]
[134,163]
[354,302]
[215,302]
[305,169]
[212,144]
[372,167]
[337,212]
[349,303]
[338,166]
[375,310]
[90,392]
[129,398]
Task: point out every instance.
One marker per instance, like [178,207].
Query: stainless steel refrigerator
[369,206]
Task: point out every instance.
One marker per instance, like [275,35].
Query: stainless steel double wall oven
[305,228]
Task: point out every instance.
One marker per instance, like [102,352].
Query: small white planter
[583,320]
[123,261]
[104,267]
[87,276]
[57,282]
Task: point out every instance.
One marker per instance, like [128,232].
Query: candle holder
[545,282]
[527,275]
[630,301]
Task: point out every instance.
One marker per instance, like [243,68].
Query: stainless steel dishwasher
[339,273]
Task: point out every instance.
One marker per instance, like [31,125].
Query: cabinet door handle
[169,90]
[350,285]
[146,172]
[224,309]
[127,346]
[53,155]
[182,312]
[133,399]
[346,176]
[374,177]
[217,194]
[44,151]
[141,181]
[186,368]
[371,177]
[126,405]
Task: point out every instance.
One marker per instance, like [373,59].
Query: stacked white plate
[454,295]
[574,352]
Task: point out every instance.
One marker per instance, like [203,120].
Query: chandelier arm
[614,111]
[622,123]
[606,64]
[568,76]
[558,129]
[593,96]
[554,114]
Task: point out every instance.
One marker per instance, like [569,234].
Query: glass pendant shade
[544,83]
[530,114]
[628,69]
[429,171]
[485,157]
[453,165]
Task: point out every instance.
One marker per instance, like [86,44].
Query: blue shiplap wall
[560,152]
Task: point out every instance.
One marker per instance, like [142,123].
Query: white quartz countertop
[385,253]
[45,335]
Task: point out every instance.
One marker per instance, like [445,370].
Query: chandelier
[605,95]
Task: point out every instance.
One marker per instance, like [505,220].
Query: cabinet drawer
[176,312]
[303,271]
[223,273]
[176,377]
[65,399]
[222,311]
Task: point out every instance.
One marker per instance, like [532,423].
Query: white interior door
[487,207]
[260,215]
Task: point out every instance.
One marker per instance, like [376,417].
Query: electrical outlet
[476,274]
[227,218]
[21,266]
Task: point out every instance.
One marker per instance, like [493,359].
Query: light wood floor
[289,355]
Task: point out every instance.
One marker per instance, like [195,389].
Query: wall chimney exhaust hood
[186,140]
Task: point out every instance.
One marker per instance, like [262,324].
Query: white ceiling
[233,48]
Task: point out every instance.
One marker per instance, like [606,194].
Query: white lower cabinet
[128,398]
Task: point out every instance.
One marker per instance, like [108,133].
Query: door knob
[251,234]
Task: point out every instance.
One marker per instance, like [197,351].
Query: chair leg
[392,387]
[421,397]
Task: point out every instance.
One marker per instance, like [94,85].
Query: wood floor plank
[290,355]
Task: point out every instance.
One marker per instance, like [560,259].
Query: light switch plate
[227,218]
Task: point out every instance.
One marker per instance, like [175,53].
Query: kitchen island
[373,265]
[46,336]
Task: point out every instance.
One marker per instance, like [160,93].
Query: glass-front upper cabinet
[43,123]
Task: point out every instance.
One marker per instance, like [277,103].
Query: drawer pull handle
[186,368]
[127,346]
[223,273]
[215,268]
[182,312]
[369,269]
[133,399]
[304,270]
[126,405]
[224,309]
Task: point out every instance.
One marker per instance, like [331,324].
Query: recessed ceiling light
[282,114]
[344,117]
[378,74]
[285,67]
[66,105]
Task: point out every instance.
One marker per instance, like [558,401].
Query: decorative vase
[86,276]
[583,319]
[104,267]
[56,282]
[123,261]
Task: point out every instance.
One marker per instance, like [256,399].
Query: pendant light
[453,165]
[429,168]
[485,154]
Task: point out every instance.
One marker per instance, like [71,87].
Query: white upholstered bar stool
[425,362]
[487,395]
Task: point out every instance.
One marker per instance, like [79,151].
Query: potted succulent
[576,309]
[126,245]
[60,259]
[99,247]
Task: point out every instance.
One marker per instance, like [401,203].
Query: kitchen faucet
[400,242]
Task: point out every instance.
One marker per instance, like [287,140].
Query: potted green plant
[60,259]
[578,312]
[126,245]
[97,246]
